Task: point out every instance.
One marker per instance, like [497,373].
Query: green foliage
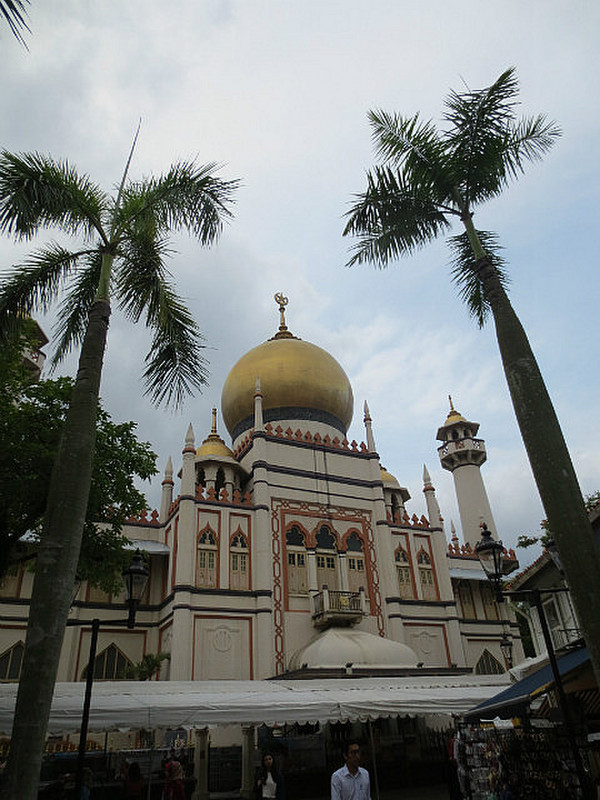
[429,177]
[31,421]
[148,667]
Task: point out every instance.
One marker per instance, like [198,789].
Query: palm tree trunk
[57,564]
[550,461]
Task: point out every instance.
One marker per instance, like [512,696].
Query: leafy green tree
[546,536]
[426,179]
[122,244]
[32,417]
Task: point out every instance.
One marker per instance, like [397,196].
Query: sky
[278,93]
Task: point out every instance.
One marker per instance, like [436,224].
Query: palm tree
[428,178]
[122,247]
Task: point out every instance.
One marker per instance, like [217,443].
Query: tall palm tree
[427,178]
[121,252]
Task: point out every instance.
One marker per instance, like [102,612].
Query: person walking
[269,783]
[351,782]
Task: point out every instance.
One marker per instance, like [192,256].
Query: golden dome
[213,445]
[298,380]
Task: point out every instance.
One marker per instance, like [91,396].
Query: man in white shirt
[351,782]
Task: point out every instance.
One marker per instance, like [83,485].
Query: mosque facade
[292,551]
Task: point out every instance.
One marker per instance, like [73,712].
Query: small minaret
[258,409]
[167,491]
[369,430]
[462,454]
[433,508]
[188,469]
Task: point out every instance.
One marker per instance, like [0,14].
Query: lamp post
[506,647]
[135,577]
[491,556]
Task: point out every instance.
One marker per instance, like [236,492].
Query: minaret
[462,454]
[369,430]
[167,491]
[433,508]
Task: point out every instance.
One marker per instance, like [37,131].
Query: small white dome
[337,647]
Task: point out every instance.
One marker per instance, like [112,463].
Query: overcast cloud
[278,93]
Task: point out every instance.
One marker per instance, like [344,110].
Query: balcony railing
[332,607]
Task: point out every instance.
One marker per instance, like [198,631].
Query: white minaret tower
[462,454]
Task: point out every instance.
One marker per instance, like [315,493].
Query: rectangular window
[297,578]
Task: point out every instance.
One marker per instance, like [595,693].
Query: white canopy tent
[173,704]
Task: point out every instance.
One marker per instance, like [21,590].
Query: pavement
[436,792]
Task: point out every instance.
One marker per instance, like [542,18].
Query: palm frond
[36,282]
[14,13]
[392,219]
[464,273]
[188,196]
[72,317]
[414,148]
[485,144]
[174,366]
[38,192]
[529,140]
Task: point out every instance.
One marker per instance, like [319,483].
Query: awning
[172,704]
[521,692]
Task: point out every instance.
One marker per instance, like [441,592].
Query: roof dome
[388,478]
[213,446]
[337,647]
[298,380]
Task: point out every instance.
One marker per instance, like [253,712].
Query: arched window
[201,477]
[206,560]
[355,560]
[238,562]
[296,561]
[219,482]
[110,665]
[488,665]
[326,558]
[405,585]
[10,662]
[426,575]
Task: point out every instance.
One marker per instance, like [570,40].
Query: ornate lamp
[135,577]
[491,556]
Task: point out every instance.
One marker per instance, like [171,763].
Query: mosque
[293,552]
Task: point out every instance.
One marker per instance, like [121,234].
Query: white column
[201,765]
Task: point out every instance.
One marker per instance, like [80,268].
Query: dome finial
[283,332]
[214,421]
[451,406]
[282,301]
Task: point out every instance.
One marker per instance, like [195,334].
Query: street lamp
[491,557]
[135,577]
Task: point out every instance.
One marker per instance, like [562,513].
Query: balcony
[565,638]
[333,608]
